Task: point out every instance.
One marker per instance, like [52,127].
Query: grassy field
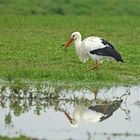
[33,33]
[31,47]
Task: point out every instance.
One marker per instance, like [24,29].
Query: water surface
[59,113]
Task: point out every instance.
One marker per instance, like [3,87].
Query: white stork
[93,47]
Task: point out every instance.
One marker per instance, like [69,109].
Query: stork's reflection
[95,111]
[75,105]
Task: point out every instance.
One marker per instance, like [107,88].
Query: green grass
[33,33]
[31,47]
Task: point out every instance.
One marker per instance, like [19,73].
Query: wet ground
[62,114]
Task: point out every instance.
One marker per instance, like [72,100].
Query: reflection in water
[75,107]
[18,101]
[96,111]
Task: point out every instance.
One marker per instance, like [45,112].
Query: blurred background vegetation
[70,7]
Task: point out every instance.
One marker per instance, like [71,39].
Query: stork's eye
[73,35]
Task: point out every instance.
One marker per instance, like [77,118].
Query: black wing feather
[109,50]
[98,109]
[106,43]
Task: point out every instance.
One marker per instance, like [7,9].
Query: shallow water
[59,114]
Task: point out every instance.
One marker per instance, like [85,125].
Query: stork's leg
[95,92]
[95,67]
[92,68]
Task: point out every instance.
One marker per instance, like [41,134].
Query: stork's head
[74,36]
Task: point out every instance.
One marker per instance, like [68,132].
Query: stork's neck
[80,50]
[76,118]
[77,43]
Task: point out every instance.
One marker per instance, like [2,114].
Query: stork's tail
[117,56]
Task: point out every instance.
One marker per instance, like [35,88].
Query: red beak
[67,44]
[68,116]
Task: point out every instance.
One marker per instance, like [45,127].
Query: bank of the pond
[17,138]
